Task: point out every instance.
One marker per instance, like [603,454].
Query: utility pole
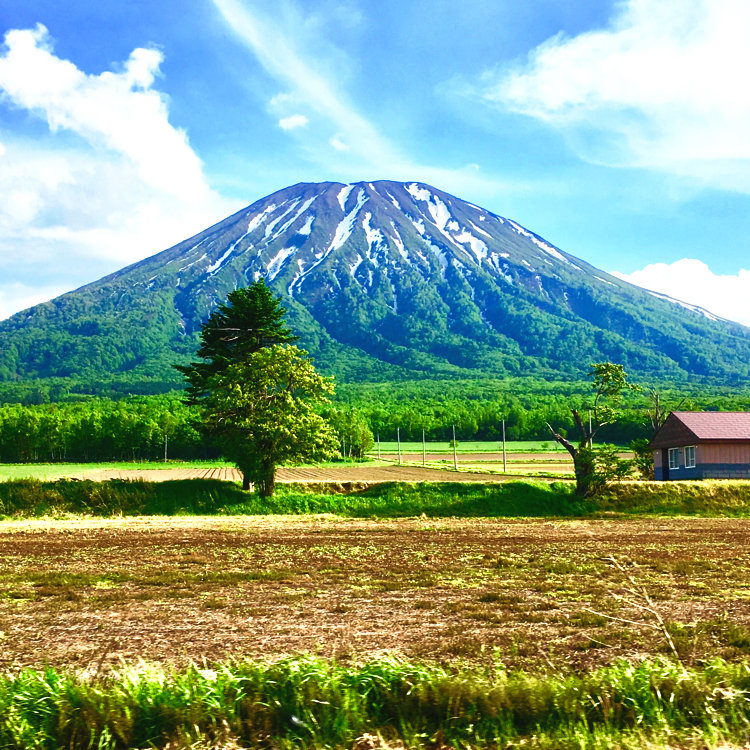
[378,446]
[166,441]
[424,450]
[505,464]
[455,458]
[398,441]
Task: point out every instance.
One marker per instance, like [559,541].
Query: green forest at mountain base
[40,424]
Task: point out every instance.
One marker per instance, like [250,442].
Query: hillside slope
[383,280]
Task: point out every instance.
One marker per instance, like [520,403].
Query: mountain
[383,280]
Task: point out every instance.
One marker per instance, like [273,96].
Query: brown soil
[355,473]
[173,590]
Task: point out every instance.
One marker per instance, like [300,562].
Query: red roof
[716,425]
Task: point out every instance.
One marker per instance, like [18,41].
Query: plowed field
[353,473]
[88,593]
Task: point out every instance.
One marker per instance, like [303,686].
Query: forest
[159,426]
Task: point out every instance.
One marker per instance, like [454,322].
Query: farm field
[358,473]
[531,594]
[472,446]
[472,468]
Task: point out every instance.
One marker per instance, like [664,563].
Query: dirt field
[88,593]
[352,473]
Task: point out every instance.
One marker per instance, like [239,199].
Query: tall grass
[24,498]
[308,702]
[30,498]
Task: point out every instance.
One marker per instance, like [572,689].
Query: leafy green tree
[263,411]
[352,431]
[250,319]
[609,383]
[643,457]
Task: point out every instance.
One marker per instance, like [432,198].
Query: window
[674,458]
[690,457]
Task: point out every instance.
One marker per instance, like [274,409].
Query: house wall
[724,453]
[712,460]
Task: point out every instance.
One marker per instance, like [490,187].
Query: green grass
[305,702]
[33,498]
[472,446]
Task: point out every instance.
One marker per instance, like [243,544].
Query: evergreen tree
[250,319]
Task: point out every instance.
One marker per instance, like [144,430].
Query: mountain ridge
[383,280]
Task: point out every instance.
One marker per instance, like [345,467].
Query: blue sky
[619,131]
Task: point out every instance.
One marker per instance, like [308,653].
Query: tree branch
[563,441]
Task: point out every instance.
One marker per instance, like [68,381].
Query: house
[703,444]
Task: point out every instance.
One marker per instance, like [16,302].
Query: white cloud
[17,296]
[338,144]
[293,121]
[660,88]
[692,281]
[111,182]
[116,110]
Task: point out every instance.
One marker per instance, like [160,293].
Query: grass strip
[35,498]
[309,702]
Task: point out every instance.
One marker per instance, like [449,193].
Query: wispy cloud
[125,186]
[345,142]
[692,281]
[276,51]
[293,122]
[660,88]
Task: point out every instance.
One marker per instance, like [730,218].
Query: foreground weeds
[309,702]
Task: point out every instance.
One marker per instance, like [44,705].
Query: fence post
[505,465]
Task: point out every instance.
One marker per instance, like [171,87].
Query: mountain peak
[382,279]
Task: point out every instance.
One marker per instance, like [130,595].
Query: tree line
[148,428]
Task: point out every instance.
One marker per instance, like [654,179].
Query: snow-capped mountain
[381,279]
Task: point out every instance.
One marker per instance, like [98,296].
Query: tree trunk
[583,466]
[583,459]
[267,483]
[245,481]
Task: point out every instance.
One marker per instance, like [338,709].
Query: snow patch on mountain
[418,224]
[478,247]
[687,306]
[214,267]
[303,209]
[276,263]
[478,229]
[419,193]
[343,195]
[307,228]
[272,224]
[543,245]
[256,221]
[375,238]
[399,243]
[341,235]
[354,266]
